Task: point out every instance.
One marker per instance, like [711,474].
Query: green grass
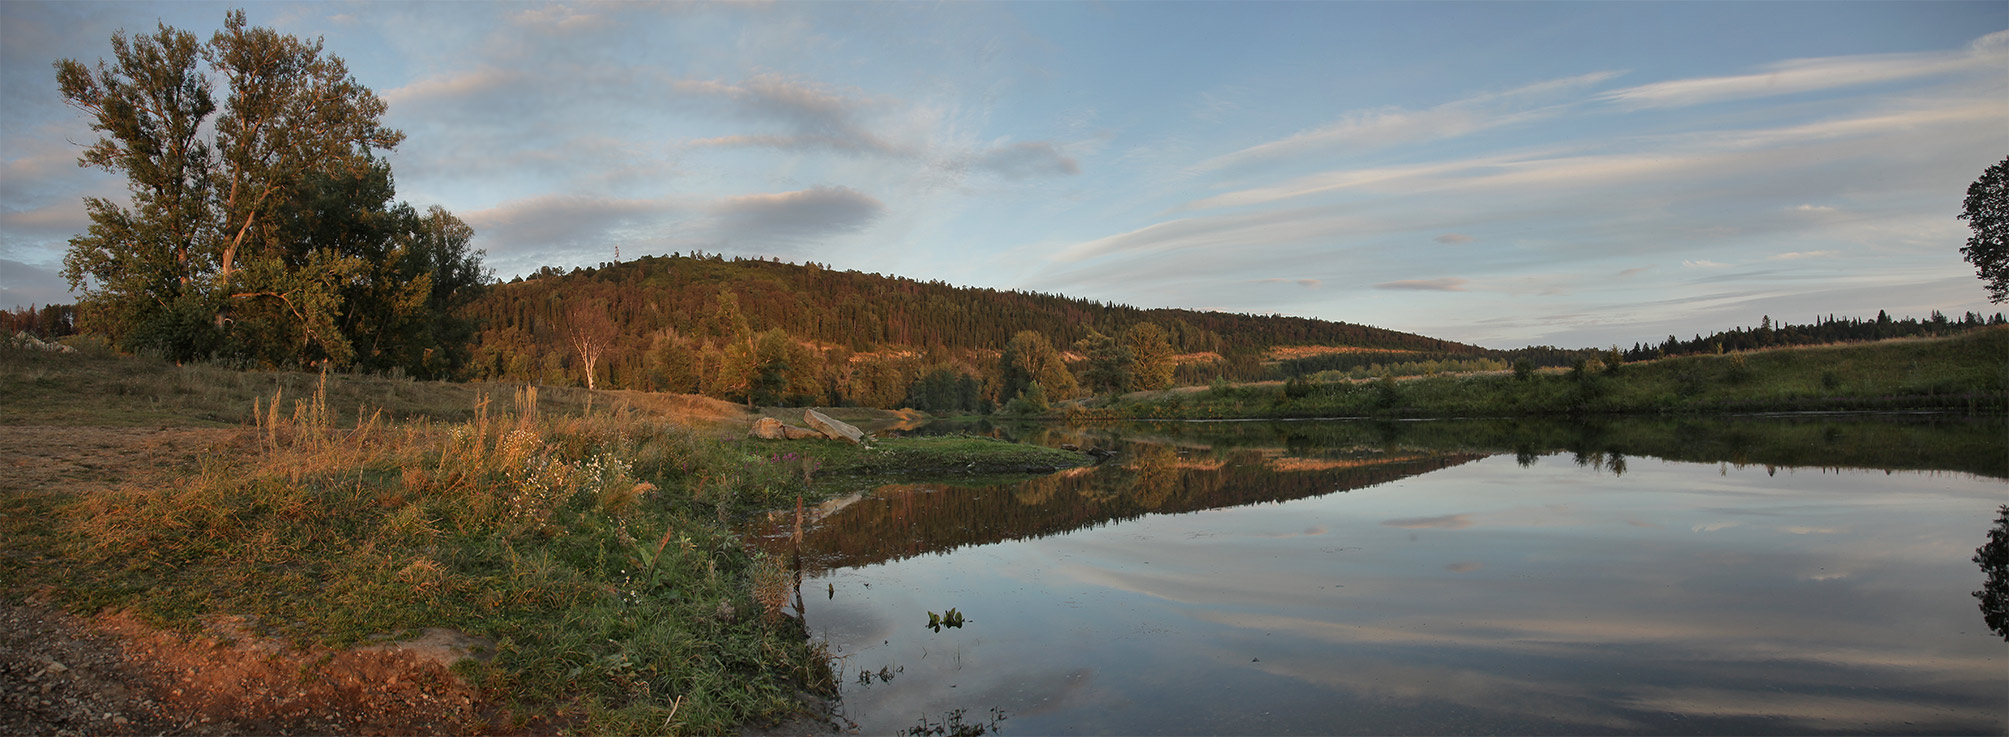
[1968,372]
[95,387]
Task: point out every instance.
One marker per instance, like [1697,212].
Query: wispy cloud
[565,222]
[1794,76]
[1247,230]
[558,18]
[1027,159]
[790,218]
[1719,153]
[1447,284]
[454,85]
[1387,126]
[1453,239]
[1306,283]
[814,115]
[1795,255]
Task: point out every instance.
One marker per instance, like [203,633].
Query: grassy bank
[1968,373]
[597,539]
[598,553]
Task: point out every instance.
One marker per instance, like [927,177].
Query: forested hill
[679,302]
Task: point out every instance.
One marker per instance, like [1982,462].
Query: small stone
[55,667]
[120,720]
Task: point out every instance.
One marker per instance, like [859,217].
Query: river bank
[1963,373]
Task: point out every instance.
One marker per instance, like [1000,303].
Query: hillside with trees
[780,333]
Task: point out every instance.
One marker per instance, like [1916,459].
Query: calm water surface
[1285,584]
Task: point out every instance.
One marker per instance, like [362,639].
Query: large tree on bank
[1987,212]
[265,233]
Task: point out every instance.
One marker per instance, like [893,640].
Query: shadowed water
[1780,576]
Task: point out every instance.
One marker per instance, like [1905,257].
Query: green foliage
[950,618]
[1739,369]
[1028,361]
[1986,211]
[1031,401]
[1112,364]
[1387,394]
[946,390]
[263,234]
[674,365]
[1152,355]
[1297,387]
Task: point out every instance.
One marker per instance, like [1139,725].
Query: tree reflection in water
[1993,557]
[1174,467]
[896,521]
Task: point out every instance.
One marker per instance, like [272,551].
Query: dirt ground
[39,459]
[112,675]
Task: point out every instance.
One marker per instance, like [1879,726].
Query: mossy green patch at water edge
[928,455]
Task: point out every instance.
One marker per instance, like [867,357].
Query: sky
[1501,173]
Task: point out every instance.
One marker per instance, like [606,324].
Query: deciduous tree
[1028,359]
[1111,365]
[1153,354]
[590,333]
[265,231]
[1987,213]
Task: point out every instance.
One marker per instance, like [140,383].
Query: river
[1724,576]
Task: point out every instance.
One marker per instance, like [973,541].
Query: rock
[768,428]
[1070,447]
[832,429]
[799,433]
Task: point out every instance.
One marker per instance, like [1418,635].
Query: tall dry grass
[600,550]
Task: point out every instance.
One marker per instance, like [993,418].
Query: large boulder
[768,428]
[799,433]
[833,429]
